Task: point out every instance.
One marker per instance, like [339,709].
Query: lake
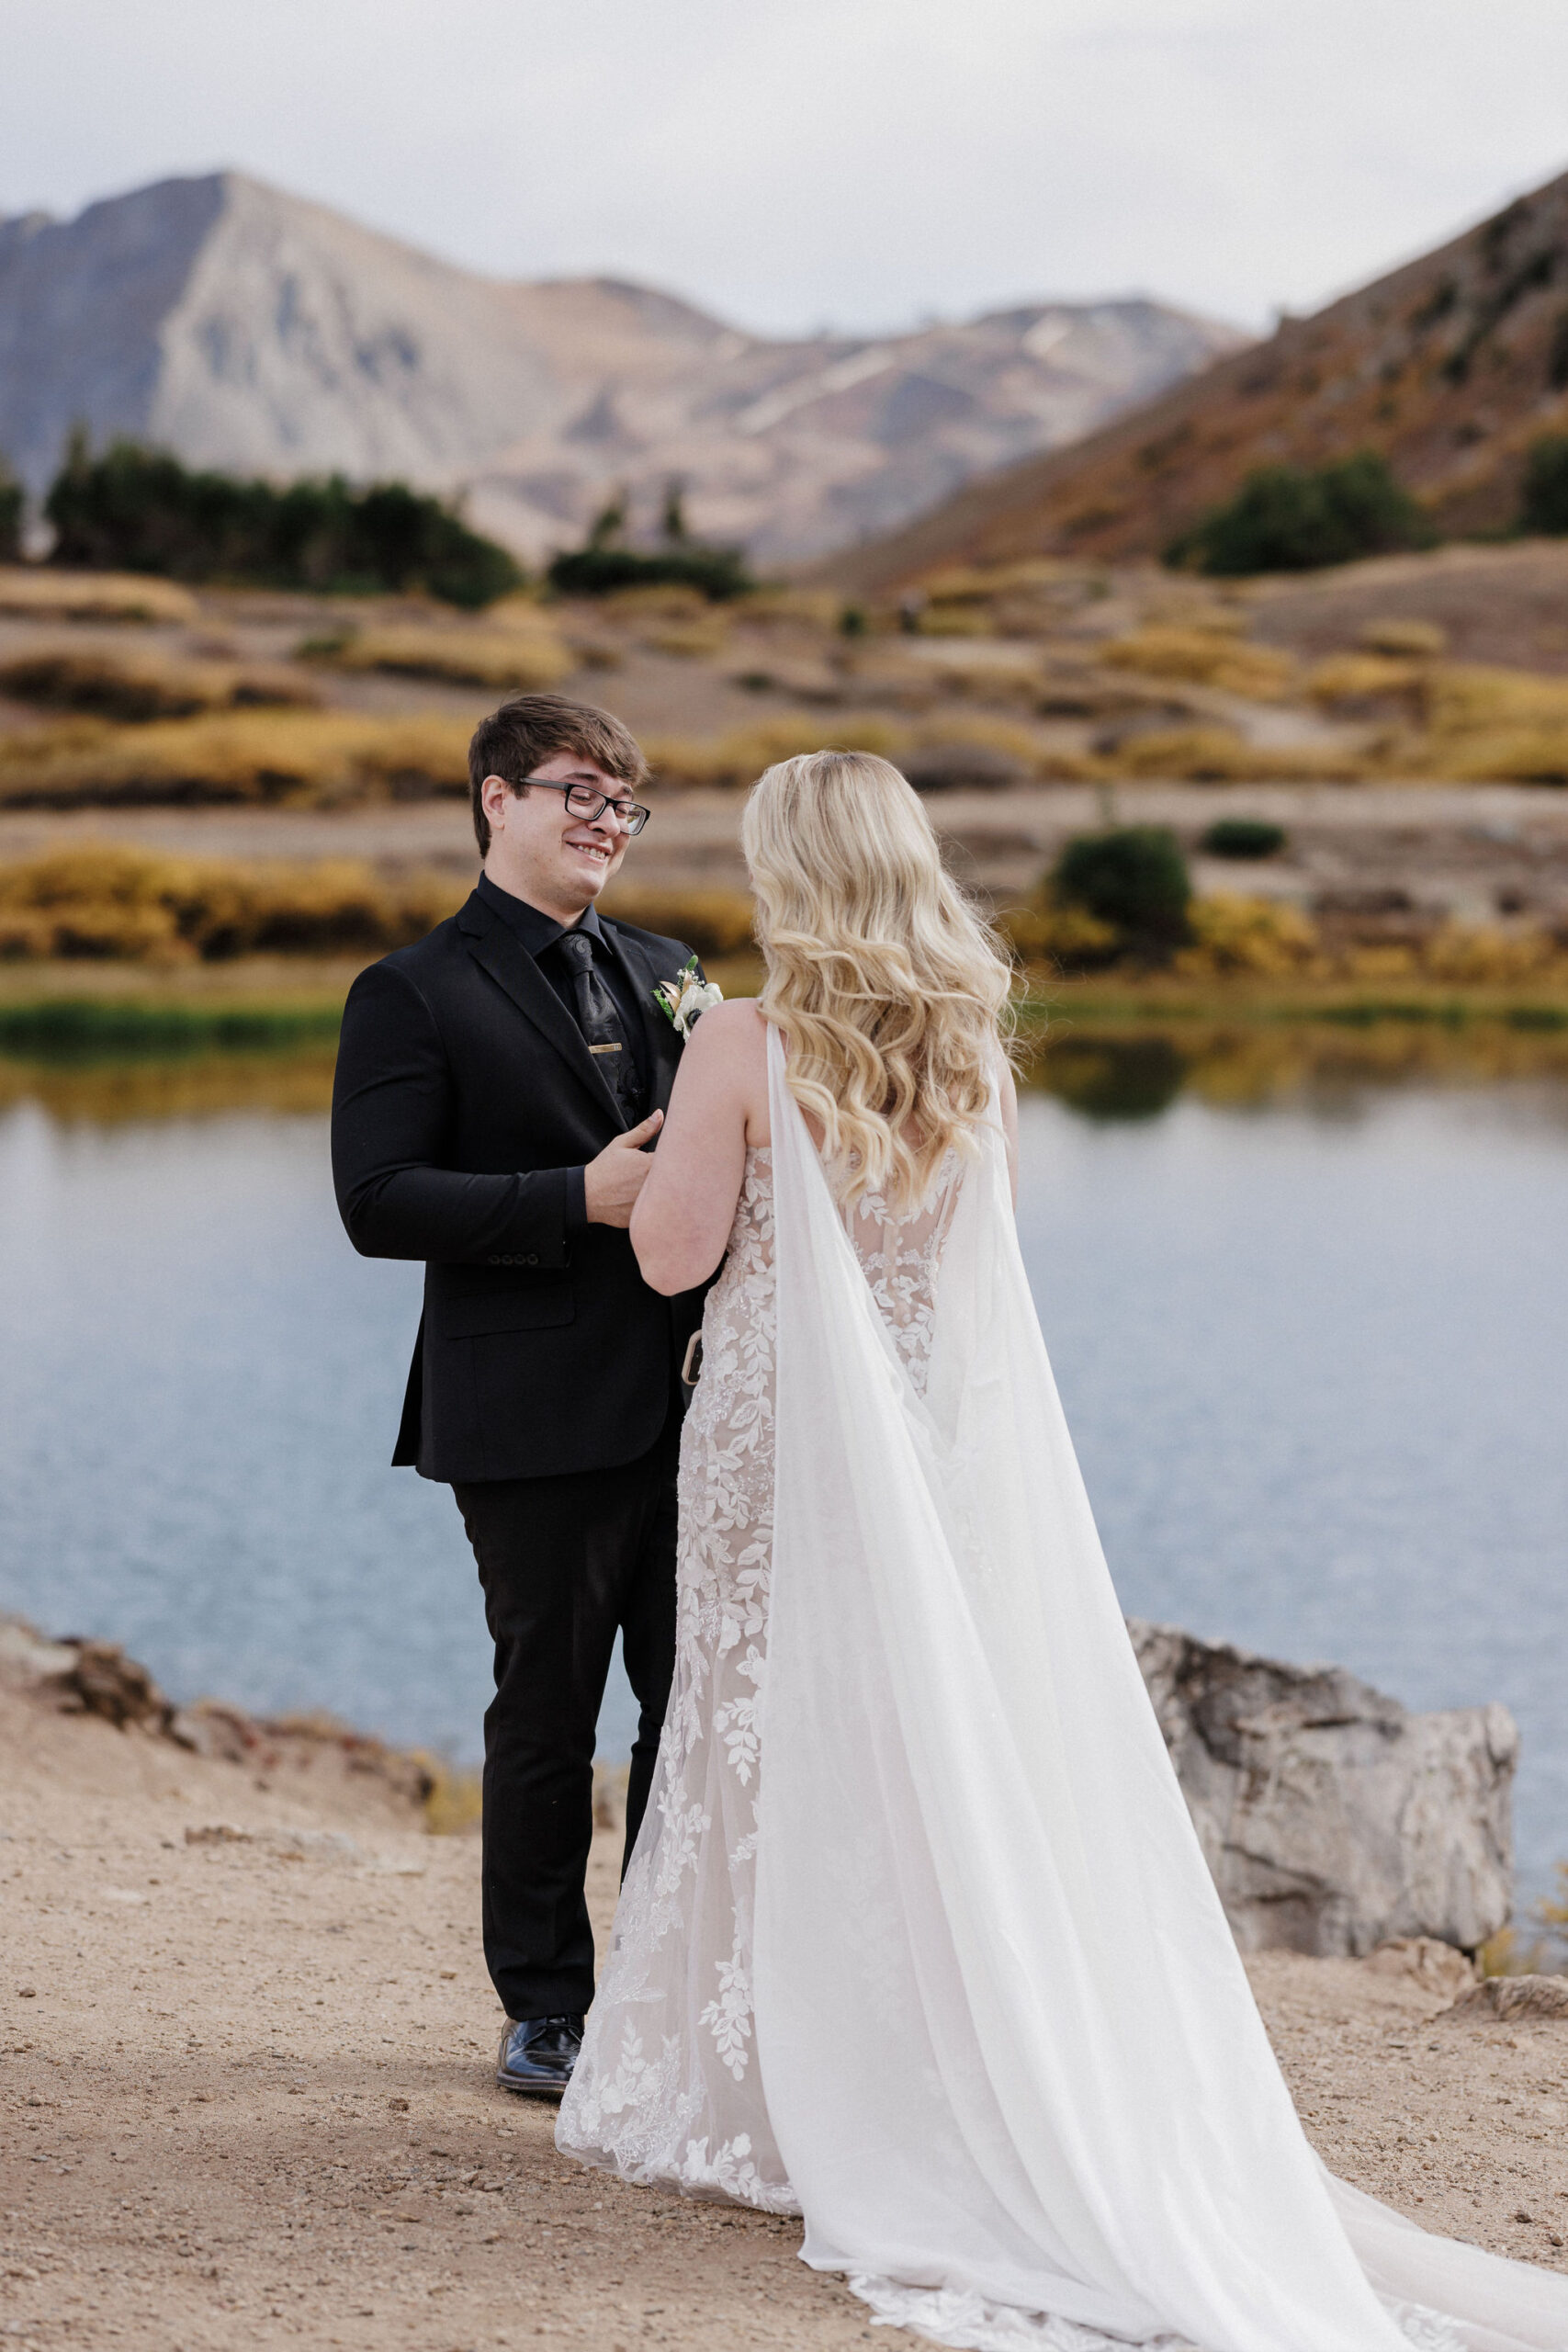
[1310,1327]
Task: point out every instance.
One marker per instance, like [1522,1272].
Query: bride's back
[888,989]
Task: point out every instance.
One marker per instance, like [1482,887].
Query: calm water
[1315,1356]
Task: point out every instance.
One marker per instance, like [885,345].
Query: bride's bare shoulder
[730,1048]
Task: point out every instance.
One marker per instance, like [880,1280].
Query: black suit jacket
[464,1092]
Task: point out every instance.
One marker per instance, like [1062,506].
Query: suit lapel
[500,952]
[660,1042]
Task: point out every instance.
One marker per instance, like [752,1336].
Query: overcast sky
[792,163]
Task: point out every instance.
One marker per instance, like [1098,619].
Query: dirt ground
[247,2098]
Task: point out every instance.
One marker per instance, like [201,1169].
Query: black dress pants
[563,1563]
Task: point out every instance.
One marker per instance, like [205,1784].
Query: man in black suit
[497,1085]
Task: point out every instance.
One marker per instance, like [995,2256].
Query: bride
[918,1939]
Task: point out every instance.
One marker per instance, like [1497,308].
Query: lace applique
[686,1909]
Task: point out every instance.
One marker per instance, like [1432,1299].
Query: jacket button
[493,1261]
[530,1261]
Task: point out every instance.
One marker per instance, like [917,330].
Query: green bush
[13,505]
[605,563]
[134,509]
[1134,878]
[718,573]
[1243,837]
[1545,504]
[1287,519]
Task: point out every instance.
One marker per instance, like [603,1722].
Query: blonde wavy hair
[891,993]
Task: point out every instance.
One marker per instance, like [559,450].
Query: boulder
[1332,1817]
[1436,1967]
[1513,1997]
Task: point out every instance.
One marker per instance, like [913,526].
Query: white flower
[685,999]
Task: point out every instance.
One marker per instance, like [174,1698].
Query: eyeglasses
[581,800]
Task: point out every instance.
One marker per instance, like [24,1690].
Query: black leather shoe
[539,2054]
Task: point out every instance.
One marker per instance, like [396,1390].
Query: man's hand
[612,1182]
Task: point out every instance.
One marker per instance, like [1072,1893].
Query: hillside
[1450,366]
[244,327]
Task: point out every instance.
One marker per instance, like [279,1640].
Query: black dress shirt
[538,934]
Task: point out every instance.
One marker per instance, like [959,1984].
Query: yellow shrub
[1235,934]
[302,758]
[1483,957]
[1412,639]
[660,601]
[1052,762]
[991,672]
[953,620]
[977,584]
[47,596]
[1379,962]
[144,685]
[790,608]
[692,640]
[532,659]
[1494,755]
[1203,657]
[103,899]
[1219,755]
[1066,935]
[741,756]
[1366,677]
[1464,697]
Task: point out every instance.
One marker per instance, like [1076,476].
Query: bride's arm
[684,1211]
[1009,1125]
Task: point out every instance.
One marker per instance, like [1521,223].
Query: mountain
[1450,366]
[244,327]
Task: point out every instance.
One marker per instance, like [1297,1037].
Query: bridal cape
[1011,2059]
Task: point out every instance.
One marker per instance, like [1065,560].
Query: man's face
[540,851]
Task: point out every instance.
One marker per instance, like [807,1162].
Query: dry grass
[1232,933]
[1414,640]
[39,594]
[1203,657]
[296,758]
[740,757]
[144,685]
[1234,937]
[1220,755]
[1043,760]
[1349,683]
[530,656]
[105,900]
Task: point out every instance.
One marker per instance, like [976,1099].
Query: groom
[498,1085]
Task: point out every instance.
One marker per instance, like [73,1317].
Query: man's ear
[495,795]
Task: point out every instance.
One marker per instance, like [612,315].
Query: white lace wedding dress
[918,1939]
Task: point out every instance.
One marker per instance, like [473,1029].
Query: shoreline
[245,2046]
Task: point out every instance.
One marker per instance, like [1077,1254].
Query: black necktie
[600,1021]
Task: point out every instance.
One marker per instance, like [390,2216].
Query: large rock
[1332,1817]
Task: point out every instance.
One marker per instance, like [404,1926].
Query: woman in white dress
[918,1939]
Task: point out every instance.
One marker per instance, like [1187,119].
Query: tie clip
[604,1049]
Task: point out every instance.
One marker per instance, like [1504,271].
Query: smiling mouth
[600,852]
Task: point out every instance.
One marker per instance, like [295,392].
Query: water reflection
[1304,1289]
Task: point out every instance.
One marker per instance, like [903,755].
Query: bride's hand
[611,1183]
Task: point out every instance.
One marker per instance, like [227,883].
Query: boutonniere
[685,999]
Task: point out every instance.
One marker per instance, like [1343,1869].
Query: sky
[792,164]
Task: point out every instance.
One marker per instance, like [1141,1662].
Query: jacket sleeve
[393,1117]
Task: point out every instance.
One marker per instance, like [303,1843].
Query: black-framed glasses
[581,800]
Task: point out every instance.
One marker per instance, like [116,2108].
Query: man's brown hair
[513,740]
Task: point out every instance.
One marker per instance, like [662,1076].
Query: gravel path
[247,2098]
